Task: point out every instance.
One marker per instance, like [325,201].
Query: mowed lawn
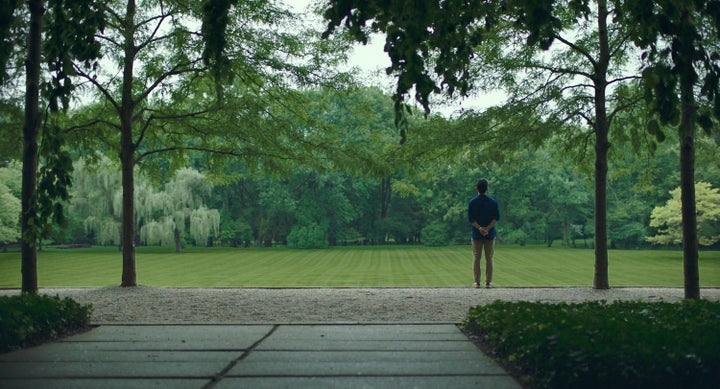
[387,266]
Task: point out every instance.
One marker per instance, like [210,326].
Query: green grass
[399,266]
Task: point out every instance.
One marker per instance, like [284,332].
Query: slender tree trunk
[689,217]
[31,129]
[385,193]
[129,277]
[178,243]
[602,145]
[127,154]
[687,174]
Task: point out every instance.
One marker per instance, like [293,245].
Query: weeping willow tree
[204,224]
[169,215]
[163,216]
[97,199]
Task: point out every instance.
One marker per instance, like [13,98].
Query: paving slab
[401,382]
[365,363]
[104,383]
[186,337]
[85,352]
[256,356]
[162,369]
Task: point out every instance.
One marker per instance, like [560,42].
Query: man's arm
[486,229]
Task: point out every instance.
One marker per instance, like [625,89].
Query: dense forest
[215,122]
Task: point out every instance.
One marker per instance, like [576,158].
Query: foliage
[599,344]
[542,194]
[171,215]
[435,234]
[96,201]
[29,319]
[10,177]
[680,43]
[667,218]
[11,121]
[556,59]
[9,216]
[679,39]
[307,236]
[164,102]
[164,216]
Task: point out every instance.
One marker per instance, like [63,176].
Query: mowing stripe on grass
[384,266]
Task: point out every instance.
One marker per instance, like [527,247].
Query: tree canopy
[224,122]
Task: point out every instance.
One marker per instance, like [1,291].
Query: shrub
[595,344]
[435,234]
[30,319]
[310,236]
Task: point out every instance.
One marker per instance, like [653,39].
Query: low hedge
[603,345]
[30,319]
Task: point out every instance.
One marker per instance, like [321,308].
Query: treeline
[545,196]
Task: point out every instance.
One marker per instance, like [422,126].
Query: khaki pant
[488,246]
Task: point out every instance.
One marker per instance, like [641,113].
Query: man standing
[483,214]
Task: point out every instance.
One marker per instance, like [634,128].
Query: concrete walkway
[257,356]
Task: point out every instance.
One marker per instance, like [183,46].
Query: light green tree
[165,216]
[96,199]
[668,218]
[10,182]
[204,225]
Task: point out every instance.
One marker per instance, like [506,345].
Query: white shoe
[477,285]
[488,285]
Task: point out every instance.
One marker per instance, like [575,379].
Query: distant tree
[204,225]
[435,234]
[96,199]
[10,184]
[667,219]
[11,176]
[9,216]
[168,215]
[307,235]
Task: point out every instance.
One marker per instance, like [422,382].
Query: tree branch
[176,70]
[91,124]
[100,87]
[621,79]
[577,49]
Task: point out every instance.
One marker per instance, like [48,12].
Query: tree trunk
[127,154]
[602,145]
[687,174]
[31,129]
[178,243]
[689,217]
[129,277]
[385,193]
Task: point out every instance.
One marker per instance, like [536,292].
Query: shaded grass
[399,266]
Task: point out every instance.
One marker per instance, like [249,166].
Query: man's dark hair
[482,185]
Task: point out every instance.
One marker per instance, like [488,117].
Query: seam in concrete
[219,377]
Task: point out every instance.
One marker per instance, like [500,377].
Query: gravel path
[150,305]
